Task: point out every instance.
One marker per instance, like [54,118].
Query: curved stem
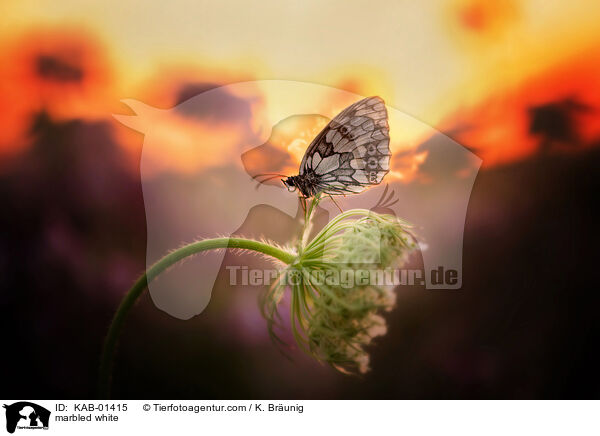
[108,352]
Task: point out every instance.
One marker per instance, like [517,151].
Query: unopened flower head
[331,321]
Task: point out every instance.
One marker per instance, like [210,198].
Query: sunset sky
[439,61]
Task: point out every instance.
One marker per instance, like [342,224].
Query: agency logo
[26,415]
[202,159]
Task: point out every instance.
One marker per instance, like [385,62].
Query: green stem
[108,352]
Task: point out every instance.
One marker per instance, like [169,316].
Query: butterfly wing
[353,151]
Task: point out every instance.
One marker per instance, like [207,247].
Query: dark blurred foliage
[73,240]
[555,122]
[52,68]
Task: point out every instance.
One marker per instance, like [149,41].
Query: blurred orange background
[470,67]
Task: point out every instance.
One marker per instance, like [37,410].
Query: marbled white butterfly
[351,153]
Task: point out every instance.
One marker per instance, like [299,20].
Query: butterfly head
[290,183]
[303,183]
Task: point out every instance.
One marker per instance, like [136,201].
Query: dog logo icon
[26,415]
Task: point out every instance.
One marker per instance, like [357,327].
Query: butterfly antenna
[255,176]
[271,176]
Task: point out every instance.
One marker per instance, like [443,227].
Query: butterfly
[350,154]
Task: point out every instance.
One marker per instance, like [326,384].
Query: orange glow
[558,109]
[61,72]
[484,70]
[405,167]
[290,138]
[491,16]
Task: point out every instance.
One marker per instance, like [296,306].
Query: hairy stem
[108,352]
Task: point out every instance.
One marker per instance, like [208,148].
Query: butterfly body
[307,184]
[349,154]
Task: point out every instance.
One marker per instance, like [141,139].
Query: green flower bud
[336,300]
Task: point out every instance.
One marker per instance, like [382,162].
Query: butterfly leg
[303,203]
[334,202]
